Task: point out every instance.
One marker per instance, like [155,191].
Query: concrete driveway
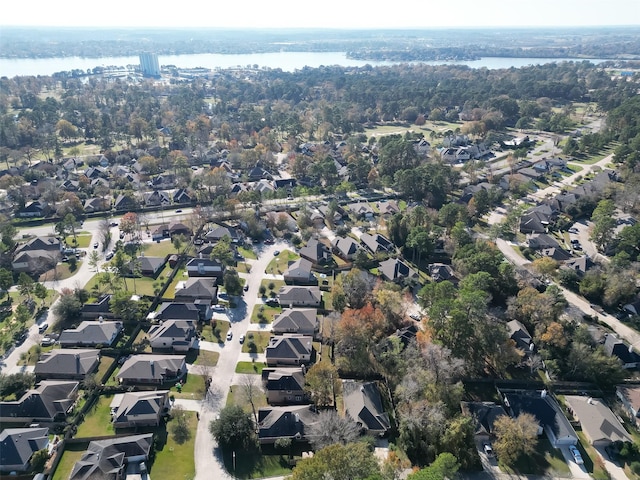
[577,471]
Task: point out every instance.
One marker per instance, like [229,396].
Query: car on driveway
[575,453]
[241,339]
[487,449]
[43,328]
[109,256]
[573,230]
[95,245]
[229,335]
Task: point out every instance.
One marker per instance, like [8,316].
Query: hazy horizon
[333,14]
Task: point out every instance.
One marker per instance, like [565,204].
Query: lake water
[287,61]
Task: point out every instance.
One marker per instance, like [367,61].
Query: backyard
[97,420]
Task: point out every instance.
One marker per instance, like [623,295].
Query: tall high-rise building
[149,64]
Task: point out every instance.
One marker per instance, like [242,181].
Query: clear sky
[322,14]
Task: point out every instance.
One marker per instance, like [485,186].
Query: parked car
[573,230]
[276,253]
[43,328]
[575,453]
[218,308]
[245,288]
[109,256]
[179,210]
[488,449]
[229,335]
[241,338]
[95,245]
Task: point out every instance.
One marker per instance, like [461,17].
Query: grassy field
[206,358]
[267,311]
[97,421]
[140,285]
[250,367]
[216,332]
[174,457]
[279,263]
[62,271]
[192,389]
[256,342]
[181,276]
[83,240]
[162,249]
[105,363]
[247,253]
[255,465]
[70,456]
[266,282]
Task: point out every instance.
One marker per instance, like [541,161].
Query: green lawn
[97,421]
[140,285]
[207,358]
[592,462]
[247,253]
[237,396]
[70,456]
[279,264]
[83,241]
[61,271]
[170,292]
[255,465]
[192,389]
[250,367]
[256,342]
[267,311]
[174,457]
[162,249]
[216,332]
[105,363]
[276,286]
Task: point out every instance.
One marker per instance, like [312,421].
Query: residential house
[139,409]
[520,335]
[599,424]
[91,334]
[388,207]
[455,155]
[33,209]
[176,335]
[336,215]
[541,241]
[633,307]
[289,349]
[162,181]
[345,248]
[179,228]
[152,369]
[206,267]
[439,272]
[535,221]
[558,254]
[629,395]
[547,412]
[147,266]
[289,422]
[299,296]
[175,311]
[156,198]
[100,308]
[284,386]
[197,288]
[47,244]
[316,252]
[510,181]
[407,334]
[376,243]
[17,446]
[395,270]
[50,401]
[580,265]
[484,415]
[299,273]
[363,404]
[125,202]
[361,210]
[617,348]
[110,458]
[96,204]
[303,321]
[35,262]
[65,364]
[181,197]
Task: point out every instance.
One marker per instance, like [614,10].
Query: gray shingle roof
[57,363]
[17,445]
[363,404]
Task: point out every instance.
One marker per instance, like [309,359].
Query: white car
[488,449]
[229,335]
[241,338]
[575,453]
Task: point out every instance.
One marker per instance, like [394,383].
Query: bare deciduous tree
[331,428]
